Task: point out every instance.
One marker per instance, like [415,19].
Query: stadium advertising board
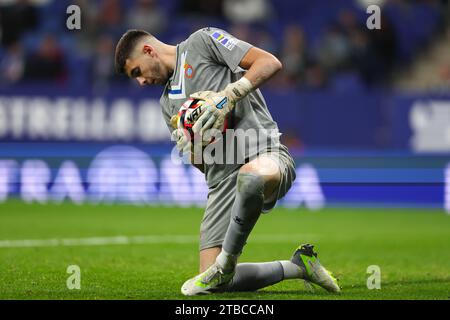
[83,147]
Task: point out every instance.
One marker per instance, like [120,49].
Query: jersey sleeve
[220,47]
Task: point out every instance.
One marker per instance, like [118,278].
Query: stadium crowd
[322,44]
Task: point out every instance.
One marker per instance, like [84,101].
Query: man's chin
[160,82]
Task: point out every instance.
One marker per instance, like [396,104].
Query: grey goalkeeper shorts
[221,198]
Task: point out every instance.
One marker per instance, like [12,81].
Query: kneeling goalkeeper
[224,73]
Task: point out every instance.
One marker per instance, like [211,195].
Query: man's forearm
[262,70]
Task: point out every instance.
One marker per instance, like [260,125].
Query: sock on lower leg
[291,270]
[226,260]
[254,276]
[245,212]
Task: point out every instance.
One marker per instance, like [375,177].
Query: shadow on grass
[350,292]
[269,295]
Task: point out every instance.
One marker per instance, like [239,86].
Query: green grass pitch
[411,247]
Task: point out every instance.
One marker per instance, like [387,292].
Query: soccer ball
[187,115]
[189,112]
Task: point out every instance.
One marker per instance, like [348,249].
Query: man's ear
[148,50]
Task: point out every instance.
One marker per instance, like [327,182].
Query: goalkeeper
[225,72]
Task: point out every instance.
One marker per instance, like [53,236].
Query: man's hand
[182,140]
[180,135]
[217,105]
[215,108]
[185,145]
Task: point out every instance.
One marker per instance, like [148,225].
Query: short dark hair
[126,45]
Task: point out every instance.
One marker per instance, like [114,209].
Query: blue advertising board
[351,148]
[152,174]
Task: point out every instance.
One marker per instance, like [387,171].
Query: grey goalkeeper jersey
[209,60]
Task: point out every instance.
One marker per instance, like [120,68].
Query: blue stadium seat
[347,82]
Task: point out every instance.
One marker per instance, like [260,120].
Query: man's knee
[267,170]
[250,185]
[263,165]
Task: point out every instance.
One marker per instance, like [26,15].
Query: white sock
[227,261]
[291,270]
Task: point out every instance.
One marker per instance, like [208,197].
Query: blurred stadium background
[365,113]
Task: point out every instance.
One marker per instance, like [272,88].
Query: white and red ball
[189,112]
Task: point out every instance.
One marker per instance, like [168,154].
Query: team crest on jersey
[188,71]
[224,39]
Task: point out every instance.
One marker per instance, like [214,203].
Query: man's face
[146,67]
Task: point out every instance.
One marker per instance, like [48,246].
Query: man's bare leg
[208,257]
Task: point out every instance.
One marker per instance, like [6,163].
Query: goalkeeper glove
[217,105]
[180,135]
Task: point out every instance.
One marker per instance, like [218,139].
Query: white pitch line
[149,239]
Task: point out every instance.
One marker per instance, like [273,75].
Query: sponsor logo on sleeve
[224,39]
